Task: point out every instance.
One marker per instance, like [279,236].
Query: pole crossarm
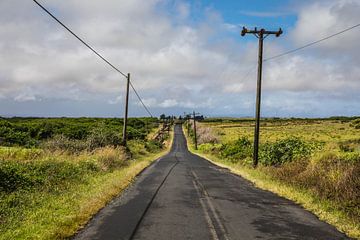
[261,31]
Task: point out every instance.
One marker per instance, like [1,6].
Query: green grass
[51,195]
[326,182]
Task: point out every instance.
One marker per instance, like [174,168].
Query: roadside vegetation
[315,162]
[55,174]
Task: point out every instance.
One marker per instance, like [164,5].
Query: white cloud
[323,18]
[168,103]
[174,63]
[117,100]
[264,14]
[330,66]
[24,97]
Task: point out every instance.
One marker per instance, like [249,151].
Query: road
[182,196]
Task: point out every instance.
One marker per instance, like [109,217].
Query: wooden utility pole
[188,126]
[261,35]
[126,110]
[168,126]
[195,137]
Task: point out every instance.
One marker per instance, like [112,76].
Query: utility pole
[126,110]
[168,126]
[195,137]
[261,35]
[188,126]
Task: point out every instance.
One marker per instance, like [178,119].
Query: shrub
[350,145]
[137,133]
[11,137]
[63,143]
[210,148]
[237,150]
[30,132]
[355,123]
[13,176]
[153,146]
[283,151]
[103,137]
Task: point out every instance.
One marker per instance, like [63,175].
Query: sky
[183,56]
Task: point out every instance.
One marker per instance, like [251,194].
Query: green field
[56,173]
[328,131]
[315,162]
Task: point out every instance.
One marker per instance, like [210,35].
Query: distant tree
[162,116]
[199,118]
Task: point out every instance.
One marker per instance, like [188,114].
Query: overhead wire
[80,39]
[132,86]
[312,43]
[141,101]
[94,51]
[300,48]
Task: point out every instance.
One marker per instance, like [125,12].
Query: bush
[210,148]
[31,132]
[153,146]
[283,151]
[355,123]
[63,143]
[103,137]
[350,145]
[40,174]
[237,150]
[13,177]
[11,137]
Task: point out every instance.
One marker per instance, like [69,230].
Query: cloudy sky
[182,55]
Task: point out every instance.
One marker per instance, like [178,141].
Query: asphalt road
[182,196]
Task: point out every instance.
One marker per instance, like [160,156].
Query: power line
[136,93]
[311,44]
[82,41]
[94,51]
[251,70]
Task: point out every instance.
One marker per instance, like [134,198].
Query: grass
[330,131]
[326,182]
[64,190]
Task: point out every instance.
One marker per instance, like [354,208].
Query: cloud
[330,66]
[323,18]
[168,103]
[175,63]
[265,14]
[117,100]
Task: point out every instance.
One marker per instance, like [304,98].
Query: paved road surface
[182,196]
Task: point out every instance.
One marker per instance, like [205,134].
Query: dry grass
[328,176]
[110,158]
